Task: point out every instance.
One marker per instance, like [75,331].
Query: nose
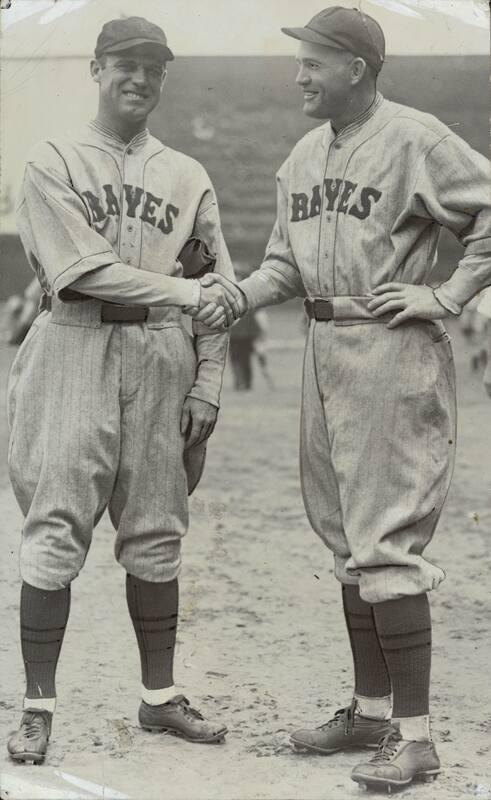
[303,78]
[138,75]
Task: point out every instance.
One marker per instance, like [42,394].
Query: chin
[134,116]
[314,113]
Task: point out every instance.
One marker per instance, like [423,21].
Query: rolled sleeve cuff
[480,247]
[257,290]
[447,302]
[463,284]
[208,383]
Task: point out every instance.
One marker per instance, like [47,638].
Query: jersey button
[130,228]
[129,151]
[338,146]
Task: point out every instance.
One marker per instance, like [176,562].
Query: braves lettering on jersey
[356,210]
[136,202]
[339,196]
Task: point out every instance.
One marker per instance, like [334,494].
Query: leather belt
[111,312]
[319,308]
[353,310]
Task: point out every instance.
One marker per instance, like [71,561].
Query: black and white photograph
[245,404]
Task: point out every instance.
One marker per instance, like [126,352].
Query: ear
[95,70]
[164,78]
[358,70]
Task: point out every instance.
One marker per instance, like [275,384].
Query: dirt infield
[261,641]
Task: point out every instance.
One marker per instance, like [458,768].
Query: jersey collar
[112,138]
[361,120]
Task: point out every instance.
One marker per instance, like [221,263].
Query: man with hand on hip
[361,200]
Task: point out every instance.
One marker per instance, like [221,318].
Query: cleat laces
[345,716]
[32,726]
[388,747]
[186,707]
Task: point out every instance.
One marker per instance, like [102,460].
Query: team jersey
[108,218]
[365,207]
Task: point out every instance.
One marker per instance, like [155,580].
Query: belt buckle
[319,308]
[118,312]
[323,309]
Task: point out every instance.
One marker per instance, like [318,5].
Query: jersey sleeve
[454,188]
[278,278]
[55,230]
[211,346]
[64,250]
[119,283]
[484,306]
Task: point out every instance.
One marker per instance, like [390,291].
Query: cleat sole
[366,783]
[312,748]
[28,758]
[218,737]
[299,747]
[427,777]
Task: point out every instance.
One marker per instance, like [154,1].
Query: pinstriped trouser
[95,412]
[377,449]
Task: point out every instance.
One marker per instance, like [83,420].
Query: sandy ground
[261,639]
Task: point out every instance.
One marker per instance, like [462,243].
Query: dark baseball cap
[121,34]
[345,29]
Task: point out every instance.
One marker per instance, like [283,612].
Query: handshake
[221,302]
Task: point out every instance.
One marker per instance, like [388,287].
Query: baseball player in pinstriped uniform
[110,400]
[361,200]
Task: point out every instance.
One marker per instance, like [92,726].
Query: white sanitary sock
[155,697]
[374,707]
[40,703]
[415,729]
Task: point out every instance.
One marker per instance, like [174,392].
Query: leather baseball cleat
[346,729]
[179,718]
[30,742]
[397,763]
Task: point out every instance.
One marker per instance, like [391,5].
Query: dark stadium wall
[241,116]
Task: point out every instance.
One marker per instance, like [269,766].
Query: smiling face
[130,86]
[325,74]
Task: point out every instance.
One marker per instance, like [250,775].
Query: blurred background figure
[202,128]
[473,324]
[20,312]
[248,339]
[484,312]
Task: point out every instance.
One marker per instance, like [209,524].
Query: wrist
[244,300]
[196,289]
[248,300]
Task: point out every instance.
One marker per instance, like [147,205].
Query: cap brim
[308,35]
[129,43]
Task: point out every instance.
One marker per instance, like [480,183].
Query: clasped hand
[221,302]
